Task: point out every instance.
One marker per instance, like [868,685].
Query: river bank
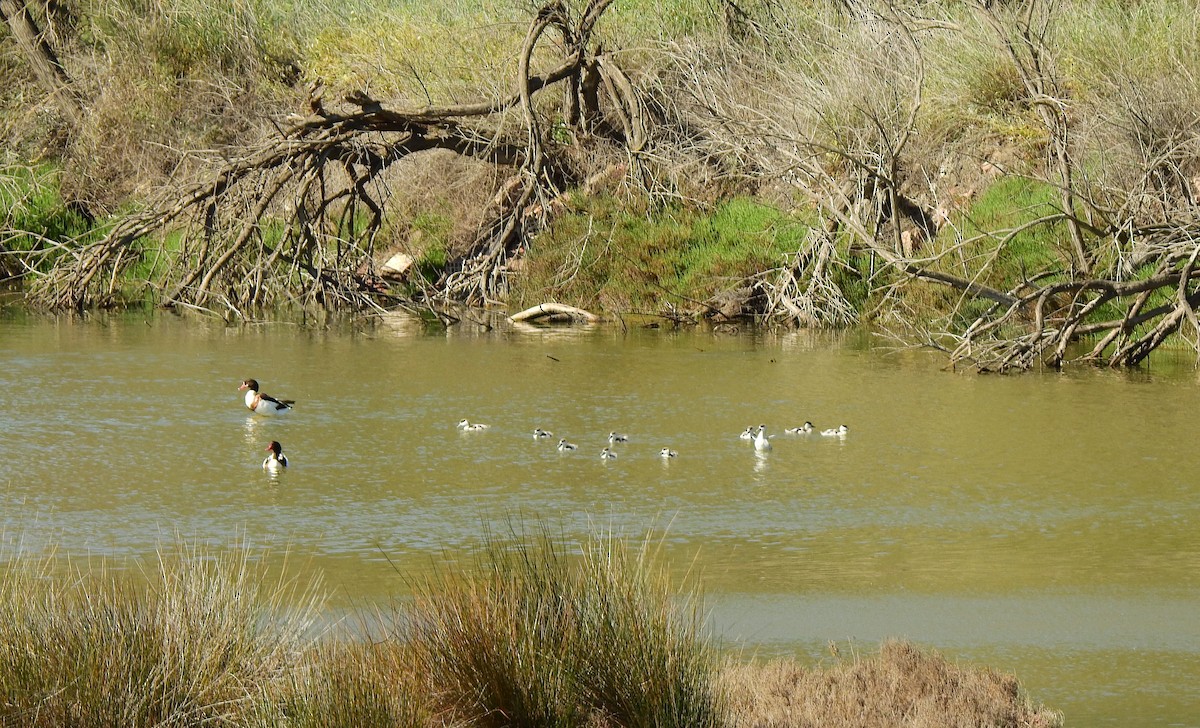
[903,170]
[542,634]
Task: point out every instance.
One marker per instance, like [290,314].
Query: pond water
[1046,525]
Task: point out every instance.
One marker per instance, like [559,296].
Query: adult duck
[264,404]
[276,459]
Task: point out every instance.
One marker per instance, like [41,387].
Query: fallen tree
[1124,278]
[297,216]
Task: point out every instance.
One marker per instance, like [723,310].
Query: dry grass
[202,640]
[538,634]
[901,687]
[597,639]
[354,683]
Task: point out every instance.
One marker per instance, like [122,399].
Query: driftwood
[322,171]
[554,312]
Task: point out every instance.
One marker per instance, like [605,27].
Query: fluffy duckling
[540,434]
[607,454]
[467,426]
[804,429]
[748,433]
[564,446]
[840,431]
[667,452]
[615,437]
[761,443]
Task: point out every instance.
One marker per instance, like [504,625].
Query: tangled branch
[298,215]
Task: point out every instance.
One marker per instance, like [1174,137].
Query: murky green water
[1046,525]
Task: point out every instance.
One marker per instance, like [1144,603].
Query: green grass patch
[31,202]
[606,257]
[1010,204]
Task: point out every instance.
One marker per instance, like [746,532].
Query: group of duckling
[762,441]
[607,453]
[264,404]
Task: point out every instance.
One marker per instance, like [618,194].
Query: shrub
[201,644]
[540,638]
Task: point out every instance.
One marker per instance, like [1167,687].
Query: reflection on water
[1023,522]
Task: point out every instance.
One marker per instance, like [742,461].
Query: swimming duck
[804,429]
[264,404]
[840,431]
[761,442]
[607,454]
[466,426]
[667,452]
[540,434]
[748,433]
[563,445]
[276,459]
[615,437]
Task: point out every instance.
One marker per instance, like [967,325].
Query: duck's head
[275,447]
[251,384]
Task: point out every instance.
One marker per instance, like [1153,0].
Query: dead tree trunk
[42,59]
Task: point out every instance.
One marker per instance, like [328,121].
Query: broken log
[554,312]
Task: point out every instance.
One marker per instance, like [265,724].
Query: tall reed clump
[205,642]
[538,637]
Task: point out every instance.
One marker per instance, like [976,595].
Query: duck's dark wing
[279,403]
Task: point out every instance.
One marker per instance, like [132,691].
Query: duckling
[667,452]
[748,433]
[540,434]
[564,446]
[804,429]
[607,454]
[761,443]
[615,437]
[466,426]
[840,431]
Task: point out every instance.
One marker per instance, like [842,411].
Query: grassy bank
[536,634]
[759,115]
